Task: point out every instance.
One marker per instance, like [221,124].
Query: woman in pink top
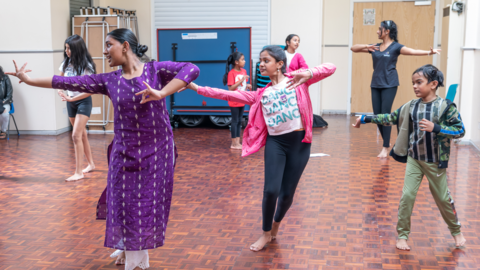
[281,120]
[295,60]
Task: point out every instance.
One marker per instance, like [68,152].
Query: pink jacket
[255,134]
[297,63]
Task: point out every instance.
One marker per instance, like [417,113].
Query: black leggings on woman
[382,101]
[285,159]
[237,114]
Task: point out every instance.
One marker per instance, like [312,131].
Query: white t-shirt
[280,109]
[70,72]
[243,85]
[289,58]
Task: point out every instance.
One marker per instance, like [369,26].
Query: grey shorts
[83,106]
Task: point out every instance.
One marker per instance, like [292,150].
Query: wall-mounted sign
[423,3]
[369,16]
[199,35]
[97,110]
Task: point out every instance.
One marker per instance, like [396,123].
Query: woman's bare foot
[89,168]
[75,177]
[274,231]
[402,244]
[236,147]
[262,241]
[236,144]
[383,153]
[459,240]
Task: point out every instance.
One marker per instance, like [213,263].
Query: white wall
[474,122]
[31,18]
[283,22]
[60,23]
[40,28]
[144,16]
[335,88]
[455,43]
[469,94]
[336,24]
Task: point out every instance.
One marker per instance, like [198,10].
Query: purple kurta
[140,174]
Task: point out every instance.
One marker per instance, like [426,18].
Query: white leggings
[134,259]
[4,118]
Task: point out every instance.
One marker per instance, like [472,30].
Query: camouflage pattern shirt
[427,146]
[423,145]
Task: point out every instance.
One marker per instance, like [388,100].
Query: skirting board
[55,132]
[469,142]
[362,113]
[40,132]
[100,132]
[334,112]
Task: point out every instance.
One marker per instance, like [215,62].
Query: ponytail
[235,56]
[392,26]
[289,37]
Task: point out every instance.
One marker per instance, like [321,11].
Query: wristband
[362,120]
[311,73]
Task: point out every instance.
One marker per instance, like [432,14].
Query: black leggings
[237,115]
[382,101]
[285,159]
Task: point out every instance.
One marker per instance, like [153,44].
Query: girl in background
[236,79]
[78,62]
[295,60]
[280,119]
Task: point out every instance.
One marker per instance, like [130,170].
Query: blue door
[209,50]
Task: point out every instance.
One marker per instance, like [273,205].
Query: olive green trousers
[437,179]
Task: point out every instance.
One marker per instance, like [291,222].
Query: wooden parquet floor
[343,216]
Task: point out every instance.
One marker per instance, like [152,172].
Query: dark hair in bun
[392,26]
[141,50]
[124,34]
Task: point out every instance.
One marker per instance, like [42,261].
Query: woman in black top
[385,77]
[6,94]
